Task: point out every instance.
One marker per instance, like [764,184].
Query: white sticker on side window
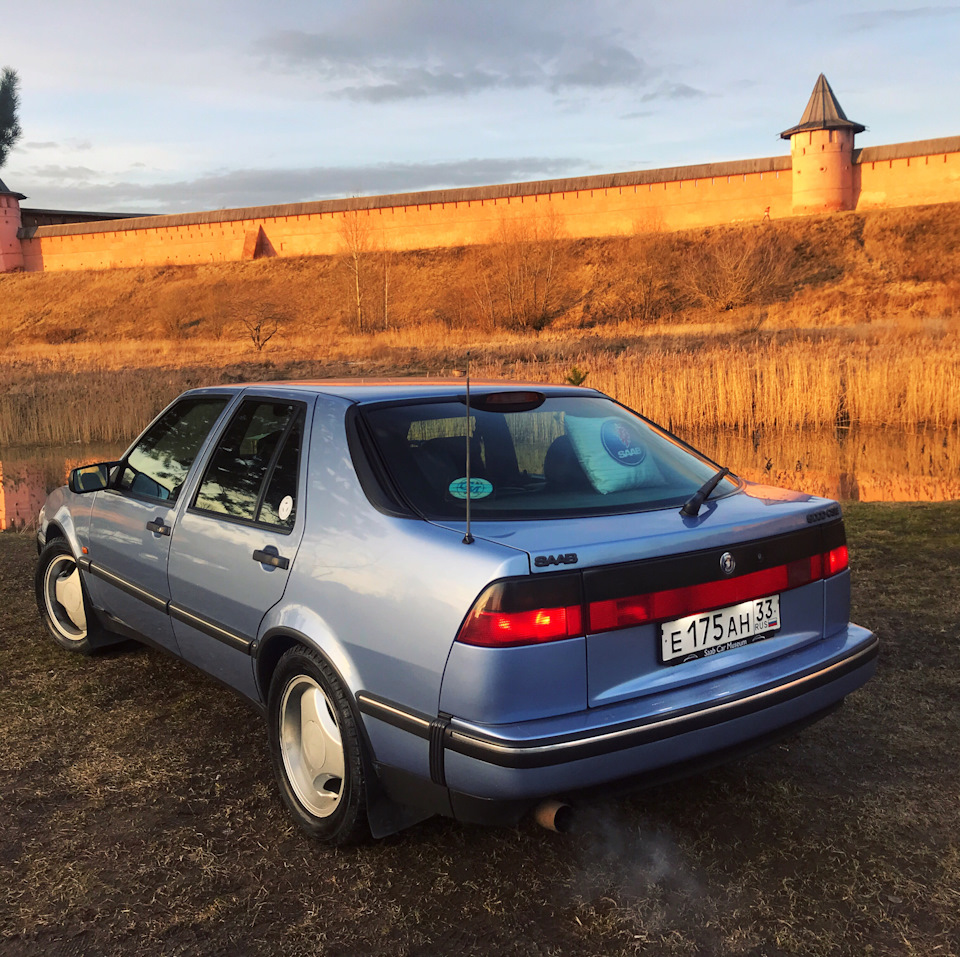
[286,507]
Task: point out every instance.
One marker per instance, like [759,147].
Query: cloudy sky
[204,104]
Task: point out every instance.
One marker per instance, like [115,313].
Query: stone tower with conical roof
[821,148]
[11,256]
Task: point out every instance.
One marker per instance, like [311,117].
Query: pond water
[846,464]
[27,474]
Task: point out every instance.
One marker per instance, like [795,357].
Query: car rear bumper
[532,759]
[477,810]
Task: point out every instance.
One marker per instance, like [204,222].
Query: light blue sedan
[454,599]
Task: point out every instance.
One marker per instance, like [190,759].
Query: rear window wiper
[691,508]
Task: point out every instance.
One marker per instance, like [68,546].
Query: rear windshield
[570,456]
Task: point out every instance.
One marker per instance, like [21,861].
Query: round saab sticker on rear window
[479,488]
[622,442]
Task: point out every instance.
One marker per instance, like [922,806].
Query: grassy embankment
[140,815]
[811,322]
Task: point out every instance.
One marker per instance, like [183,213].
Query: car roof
[385,389]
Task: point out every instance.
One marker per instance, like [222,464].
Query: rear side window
[279,505]
[252,475]
[569,456]
[158,464]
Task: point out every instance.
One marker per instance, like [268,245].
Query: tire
[320,775]
[63,603]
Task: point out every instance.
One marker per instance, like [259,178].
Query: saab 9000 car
[458,601]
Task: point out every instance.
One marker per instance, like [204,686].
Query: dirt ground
[139,815]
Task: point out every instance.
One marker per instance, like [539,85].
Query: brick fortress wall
[907,174]
[903,174]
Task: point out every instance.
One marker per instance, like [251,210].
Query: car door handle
[158,527]
[268,558]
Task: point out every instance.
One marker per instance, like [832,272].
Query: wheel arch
[270,649]
[61,525]
[54,530]
[383,815]
[276,642]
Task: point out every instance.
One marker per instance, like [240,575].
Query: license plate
[709,633]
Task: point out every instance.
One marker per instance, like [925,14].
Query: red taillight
[679,602]
[836,560]
[525,612]
[528,611]
[500,629]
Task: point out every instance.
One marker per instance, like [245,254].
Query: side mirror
[90,478]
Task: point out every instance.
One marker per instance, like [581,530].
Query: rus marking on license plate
[710,632]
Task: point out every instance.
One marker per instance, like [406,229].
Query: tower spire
[823,112]
[821,154]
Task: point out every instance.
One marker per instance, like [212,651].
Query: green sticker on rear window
[479,488]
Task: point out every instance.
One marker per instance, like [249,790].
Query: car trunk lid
[753,543]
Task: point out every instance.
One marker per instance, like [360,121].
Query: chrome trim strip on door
[211,628]
[205,625]
[112,578]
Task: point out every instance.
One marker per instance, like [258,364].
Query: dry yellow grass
[82,393]
[860,324]
[139,817]
[765,385]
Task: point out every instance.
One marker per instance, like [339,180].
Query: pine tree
[9,104]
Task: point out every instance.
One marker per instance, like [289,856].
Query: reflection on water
[847,464]
[851,465]
[26,475]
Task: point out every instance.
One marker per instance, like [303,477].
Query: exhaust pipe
[554,815]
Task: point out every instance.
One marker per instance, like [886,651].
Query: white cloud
[73,188]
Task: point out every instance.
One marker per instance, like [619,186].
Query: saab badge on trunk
[545,561]
[728,563]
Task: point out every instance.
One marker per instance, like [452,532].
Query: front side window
[252,475]
[569,456]
[158,464]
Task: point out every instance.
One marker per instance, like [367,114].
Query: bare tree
[641,279]
[515,280]
[259,322]
[386,258]
[356,242]
[379,281]
[732,268]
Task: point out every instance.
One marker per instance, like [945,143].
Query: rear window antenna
[468,537]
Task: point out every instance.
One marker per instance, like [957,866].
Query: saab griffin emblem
[621,443]
[727,563]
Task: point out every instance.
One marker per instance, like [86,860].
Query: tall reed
[901,382]
[87,407]
[799,385]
